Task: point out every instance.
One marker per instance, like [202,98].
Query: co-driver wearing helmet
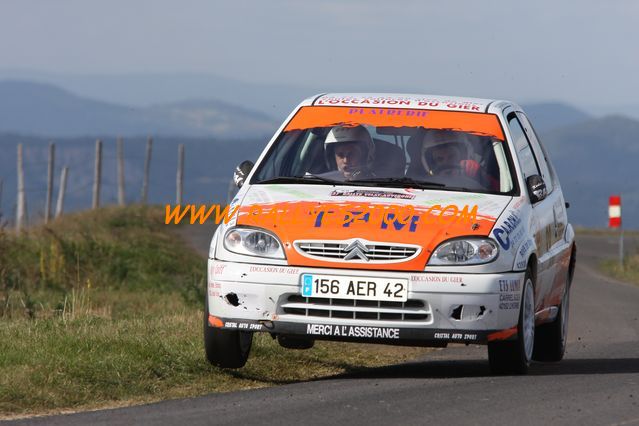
[351,150]
[446,153]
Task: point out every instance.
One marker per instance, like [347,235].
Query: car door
[558,250]
[542,221]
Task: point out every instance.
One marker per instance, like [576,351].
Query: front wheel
[513,357]
[225,348]
[550,339]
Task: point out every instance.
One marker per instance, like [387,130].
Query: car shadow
[454,369]
[441,369]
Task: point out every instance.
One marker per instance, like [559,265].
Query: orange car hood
[383,215]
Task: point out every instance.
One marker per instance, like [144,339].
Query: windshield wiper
[312,179]
[403,181]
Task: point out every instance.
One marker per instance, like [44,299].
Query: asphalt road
[597,382]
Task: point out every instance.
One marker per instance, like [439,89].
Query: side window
[525,155]
[540,153]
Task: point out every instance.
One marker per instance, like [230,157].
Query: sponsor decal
[522,254]
[509,285]
[347,218]
[243,325]
[218,269]
[389,111]
[397,218]
[401,101]
[214,289]
[429,278]
[523,249]
[510,294]
[371,193]
[456,336]
[504,234]
[200,213]
[352,331]
[363,101]
[274,269]
[509,301]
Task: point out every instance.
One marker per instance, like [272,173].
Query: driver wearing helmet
[447,153]
[351,151]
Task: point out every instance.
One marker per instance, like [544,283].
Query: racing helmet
[439,138]
[349,134]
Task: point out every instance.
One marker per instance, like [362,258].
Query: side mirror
[241,172]
[536,188]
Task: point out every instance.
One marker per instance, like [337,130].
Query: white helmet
[349,134]
[435,138]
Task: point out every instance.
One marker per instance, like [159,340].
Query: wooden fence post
[21,205]
[97,174]
[59,208]
[120,154]
[147,168]
[50,168]
[180,174]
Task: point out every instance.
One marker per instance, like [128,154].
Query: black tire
[513,356]
[293,342]
[225,348]
[550,339]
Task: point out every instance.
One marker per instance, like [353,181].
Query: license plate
[352,287]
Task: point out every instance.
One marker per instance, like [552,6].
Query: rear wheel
[513,357]
[550,339]
[225,348]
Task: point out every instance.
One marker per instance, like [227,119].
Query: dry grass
[628,273]
[52,365]
[101,309]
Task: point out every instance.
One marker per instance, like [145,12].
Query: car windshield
[449,150]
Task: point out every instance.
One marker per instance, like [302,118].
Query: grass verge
[628,273]
[101,309]
[49,365]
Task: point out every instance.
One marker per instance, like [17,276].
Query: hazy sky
[585,52]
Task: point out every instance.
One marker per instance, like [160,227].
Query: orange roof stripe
[323,116]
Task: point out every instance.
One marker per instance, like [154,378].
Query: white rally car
[398,219]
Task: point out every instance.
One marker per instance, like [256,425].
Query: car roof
[405,100]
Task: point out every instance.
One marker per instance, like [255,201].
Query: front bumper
[441,307]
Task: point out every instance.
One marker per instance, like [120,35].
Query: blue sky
[582,52]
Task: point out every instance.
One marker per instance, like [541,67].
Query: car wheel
[550,339]
[225,348]
[513,356]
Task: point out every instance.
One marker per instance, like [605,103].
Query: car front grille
[375,252]
[411,310]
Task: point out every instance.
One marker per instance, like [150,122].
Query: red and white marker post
[614,221]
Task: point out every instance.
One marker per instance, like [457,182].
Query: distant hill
[42,109]
[547,116]
[595,159]
[141,90]
[197,117]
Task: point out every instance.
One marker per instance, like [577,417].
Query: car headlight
[472,251]
[253,242]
